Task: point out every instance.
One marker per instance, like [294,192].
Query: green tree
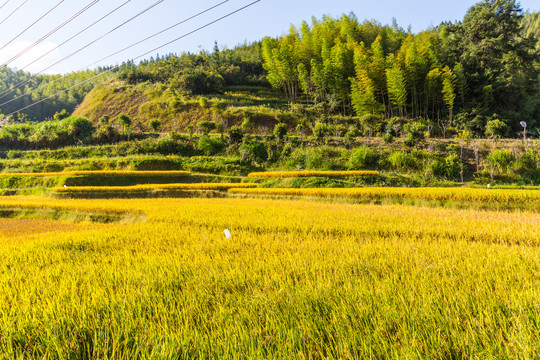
[155,124]
[206,126]
[448,90]
[363,95]
[124,121]
[280,130]
[397,89]
[497,57]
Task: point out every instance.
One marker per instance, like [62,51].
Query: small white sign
[489,185]
[65,186]
[227,234]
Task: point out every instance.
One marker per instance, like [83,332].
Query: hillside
[469,76]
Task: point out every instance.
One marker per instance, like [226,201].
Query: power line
[9,91]
[77,34]
[117,52]
[4,4]
[34,23]
[140,56]
[43,38]
[14,11]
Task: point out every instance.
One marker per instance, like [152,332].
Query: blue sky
[266,18]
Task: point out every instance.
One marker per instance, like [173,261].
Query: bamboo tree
[448,90]
[397,88]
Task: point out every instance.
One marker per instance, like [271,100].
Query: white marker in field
[227,234]
[65,186]
[489,185]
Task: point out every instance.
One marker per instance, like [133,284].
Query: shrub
[399,160]
[199,81]
[320,130]
[362,157]
[371,124]
[280,130]
[203,102]
[448,167]
[206,126]
[210,146]
[416,129]
[527,164]
[235,135]
[124,120]
[500,161]
[104,120]
[253,150]
[496,129]
[410,140]
[58,116]
[155,124]
[78,127]
[388,138]
[322,158]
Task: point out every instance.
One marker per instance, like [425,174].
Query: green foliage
[280,130]
[42,88]
[155,124]
[203,102]
[362,158]
[60,115]
[51,133]
[416,129]
[371,124]
[320,130]
[500,161]
[397,89]
[527,164]
[205,127]
[79,127]
[448,168]
[388,138]
[253,150]
[210,146]
[124,121]
[235,135]
[496,129]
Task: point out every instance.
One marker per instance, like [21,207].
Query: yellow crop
[297,280]
[291,174]
[100,173]
[461,194]
[148,187]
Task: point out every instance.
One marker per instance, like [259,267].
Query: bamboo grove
[456,74]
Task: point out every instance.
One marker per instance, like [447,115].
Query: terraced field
[298,279]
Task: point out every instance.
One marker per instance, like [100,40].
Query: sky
[96,45]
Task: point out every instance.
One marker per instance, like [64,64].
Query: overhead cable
[77,34]
[117,52]
[4,4]
[140,56]
[43,38]
[34,23]
[22,83]
[14,11]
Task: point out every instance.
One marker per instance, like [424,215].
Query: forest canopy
[462,74]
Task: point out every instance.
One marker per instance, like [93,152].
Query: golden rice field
[483,196]
[149,187]
[98,173]
[309,173]
[298,280]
